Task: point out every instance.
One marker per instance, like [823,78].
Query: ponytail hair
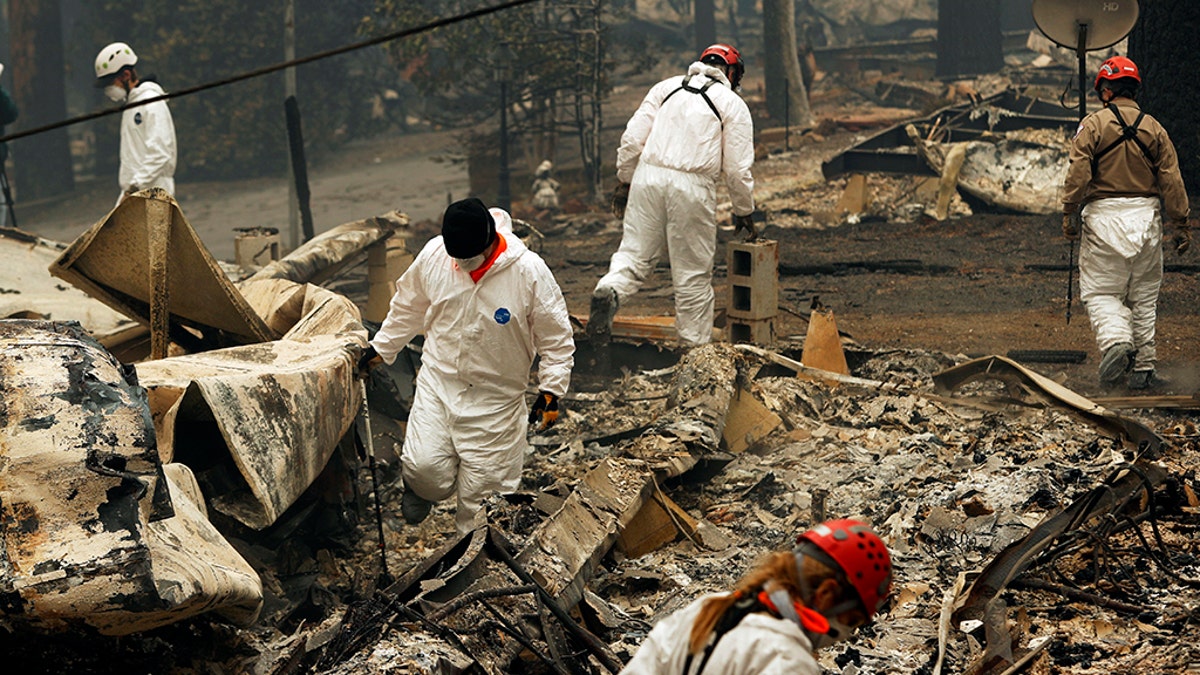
[779,567]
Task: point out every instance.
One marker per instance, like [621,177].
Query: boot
[413,507]
[600,319]
[1145,379]
[1117,360]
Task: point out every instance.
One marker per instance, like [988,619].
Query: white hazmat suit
[467,428]
[1120,273]
[674,149]
[760,644]
[148,153]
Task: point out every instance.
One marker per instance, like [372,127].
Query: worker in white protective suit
[794,602]
[148,154]
[487,306]
[688,130]
[1123,182]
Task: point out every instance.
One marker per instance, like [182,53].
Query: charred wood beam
[1047,355]
[519,635]
[1076,594]
[1170,268]
[499,546]
[876,161]
[475,596]
[865,266]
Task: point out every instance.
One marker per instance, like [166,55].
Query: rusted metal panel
[112,262]
[92,532]
[258,422]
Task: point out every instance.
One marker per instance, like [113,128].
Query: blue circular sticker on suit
[502,316]
[137,118]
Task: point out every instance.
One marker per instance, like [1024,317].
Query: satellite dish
[1106,22]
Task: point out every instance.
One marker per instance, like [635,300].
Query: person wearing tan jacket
[1123,181]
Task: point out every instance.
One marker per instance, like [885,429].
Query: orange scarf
[501,245]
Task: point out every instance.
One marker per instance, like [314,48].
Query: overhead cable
[388,37]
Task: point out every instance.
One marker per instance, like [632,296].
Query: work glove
[544,411]
[369,359]
[620,197]
[746,223]
[1070,225]
[1182,237]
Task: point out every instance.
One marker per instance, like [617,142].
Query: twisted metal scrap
[1102,512]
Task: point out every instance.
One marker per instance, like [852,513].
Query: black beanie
[467,228]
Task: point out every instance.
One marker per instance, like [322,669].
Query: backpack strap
[1128,133]
[730,619]
[703,91]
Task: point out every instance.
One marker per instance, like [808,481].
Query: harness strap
[730,619]
[703,91]
[1128,133]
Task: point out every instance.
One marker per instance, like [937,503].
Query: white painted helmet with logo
[113,58]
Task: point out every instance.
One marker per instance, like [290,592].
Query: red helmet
[1116,68]
[861,555]
[730,57]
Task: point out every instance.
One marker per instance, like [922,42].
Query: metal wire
[388,37]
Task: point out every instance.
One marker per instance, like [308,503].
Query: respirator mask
[470,264]
[115,94]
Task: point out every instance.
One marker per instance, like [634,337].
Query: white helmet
[113,58]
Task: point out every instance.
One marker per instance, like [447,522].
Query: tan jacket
[1124,171]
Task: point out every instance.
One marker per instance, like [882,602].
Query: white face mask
[114,93]
[470,264]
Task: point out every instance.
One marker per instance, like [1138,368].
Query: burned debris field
[189,484]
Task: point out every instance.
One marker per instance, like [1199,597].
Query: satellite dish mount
[1085,25]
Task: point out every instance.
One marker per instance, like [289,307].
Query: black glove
[620,197]
[1182,237]
[369,359]
[1070,226]
[746,223]
[544,411]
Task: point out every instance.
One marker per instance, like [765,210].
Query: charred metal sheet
[1098,504]
[328,253]
[894,151]
[92,532]
[112,262]
[257,423]
[1023,382]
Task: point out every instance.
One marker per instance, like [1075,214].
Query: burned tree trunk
[705,23]
[43,162]
[969,39]
[787,99]
[1161,45]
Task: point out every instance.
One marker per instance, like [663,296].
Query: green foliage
[239,130]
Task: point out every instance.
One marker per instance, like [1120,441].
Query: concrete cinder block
[756,331]
[753,272]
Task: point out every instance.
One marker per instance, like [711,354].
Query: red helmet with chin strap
[730,57]
[1116,68]
[862,556]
